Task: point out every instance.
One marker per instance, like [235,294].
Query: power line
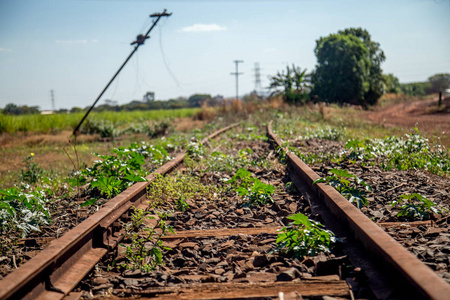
[237,77]
[165,60]
[139,41]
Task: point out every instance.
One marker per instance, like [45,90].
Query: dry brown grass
[31,140]
[239,108]
[276,102]
[186,124]
[207,113]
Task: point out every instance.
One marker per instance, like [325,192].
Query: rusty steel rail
[56,270]
[421,281]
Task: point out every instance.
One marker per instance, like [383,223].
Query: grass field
[57,122]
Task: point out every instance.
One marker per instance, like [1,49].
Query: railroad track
[54,272]
[220,250]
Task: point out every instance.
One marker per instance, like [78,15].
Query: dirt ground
[423,114]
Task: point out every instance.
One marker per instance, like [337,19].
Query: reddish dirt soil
[423,113]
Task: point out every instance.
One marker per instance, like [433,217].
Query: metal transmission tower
[237,77]
[257,79]
[52,95]
[138,42]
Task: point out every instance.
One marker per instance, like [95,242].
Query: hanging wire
[115,88]
[164,57]
[137,85]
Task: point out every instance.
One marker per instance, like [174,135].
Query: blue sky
[75,46]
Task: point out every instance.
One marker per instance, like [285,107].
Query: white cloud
[6,50]
[71,42]
[203,28]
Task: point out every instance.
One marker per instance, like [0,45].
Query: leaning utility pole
[237,77]
[139,41]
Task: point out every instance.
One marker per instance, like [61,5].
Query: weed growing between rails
[350,186]
[220,156]
[179,190]
[253,190]
[144,250]
[304,237]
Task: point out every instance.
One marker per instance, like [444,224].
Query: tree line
[195,100]
[348,71]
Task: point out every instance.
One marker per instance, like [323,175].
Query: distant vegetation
[348,72]
[435,84]
[348,69]
[98,122]
[107,119]
[196,100]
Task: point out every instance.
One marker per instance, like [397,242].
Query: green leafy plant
[175,190]
[114,173]
[415,207]
[32,172]
[348,185]
[195,150]
[181,204]
[254,191]
[105,128]
[411,152]
[24,212]
[221,162]
[304,237]
[145,249]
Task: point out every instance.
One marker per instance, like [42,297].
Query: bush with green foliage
[24,212]
[254,191]
[114,173]
[391,84]
[349,185]
[304,237]
[349,68]
[439,82]
[416,88]
[415,207]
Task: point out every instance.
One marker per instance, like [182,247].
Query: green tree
[349,68]
[416,88]
[439,82]
[293,85]
[12,109]
[391,84]
[197,100]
